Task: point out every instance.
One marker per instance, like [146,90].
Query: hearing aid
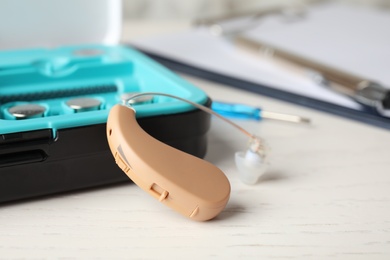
[189,185]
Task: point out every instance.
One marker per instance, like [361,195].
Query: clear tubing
[201,107]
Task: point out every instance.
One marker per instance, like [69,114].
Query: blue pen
[242,111]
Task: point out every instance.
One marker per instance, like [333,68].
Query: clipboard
[199,54]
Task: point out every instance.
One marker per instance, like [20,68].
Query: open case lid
[53,23]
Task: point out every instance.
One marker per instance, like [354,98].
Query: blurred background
[192,9]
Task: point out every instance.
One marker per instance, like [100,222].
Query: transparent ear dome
[252,163]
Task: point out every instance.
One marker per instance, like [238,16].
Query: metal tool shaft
[363,90]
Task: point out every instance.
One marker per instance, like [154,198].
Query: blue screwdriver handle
[236,110]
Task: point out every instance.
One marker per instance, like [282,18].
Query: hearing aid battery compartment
[76,152]
[159,192]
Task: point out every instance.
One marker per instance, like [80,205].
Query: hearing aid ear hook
[251,164]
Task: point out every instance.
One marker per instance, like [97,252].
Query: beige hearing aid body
[189,185]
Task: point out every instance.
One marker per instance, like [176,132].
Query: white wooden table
[326,195]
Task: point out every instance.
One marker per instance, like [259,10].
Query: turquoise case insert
[51,77]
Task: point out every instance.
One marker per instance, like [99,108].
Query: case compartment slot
[22,158]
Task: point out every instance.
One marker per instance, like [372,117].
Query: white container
[52,23]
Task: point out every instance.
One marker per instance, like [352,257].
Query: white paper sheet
[354,39]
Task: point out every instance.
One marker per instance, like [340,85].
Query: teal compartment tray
[51,77]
